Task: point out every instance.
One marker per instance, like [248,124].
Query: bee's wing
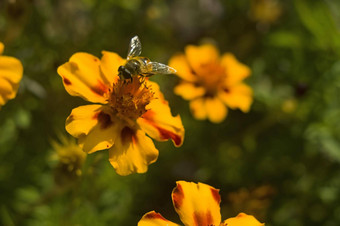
[158,68]
[135,48]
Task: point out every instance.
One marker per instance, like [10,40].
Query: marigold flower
[197,205]
[211,82]
[70,156]
[125,112]
[11,71]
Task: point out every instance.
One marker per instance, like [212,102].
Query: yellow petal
[198,108]
[197,204]
[94,127]
[238,96]
[235,70]
[211,108]
[1,48]
[154,219]
[200,58]
[3,100]
[6,89]
[133,152]
[82,119]
[216,110]
[110,63]
[158,121]
[159,124]
[155,89]
[242,219]
[11,71]
[82,77]
[189,91]
[184,71]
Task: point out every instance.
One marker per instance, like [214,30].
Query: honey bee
[138,65]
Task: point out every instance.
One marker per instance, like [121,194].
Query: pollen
[128,99]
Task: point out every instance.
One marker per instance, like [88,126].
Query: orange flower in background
[11,71]
[256,200]
[197,205]
[211,83]
[125,111]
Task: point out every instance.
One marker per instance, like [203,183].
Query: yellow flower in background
[197,205]
[265,11]
[11,71]
[70,156]
[123,114]
[211,83]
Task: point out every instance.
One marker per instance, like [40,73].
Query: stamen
[128,100]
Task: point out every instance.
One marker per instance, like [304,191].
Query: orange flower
[197,205]
[11,71]
[125,112]
[211,82]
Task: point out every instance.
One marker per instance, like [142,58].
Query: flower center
[211,77]
[128,99]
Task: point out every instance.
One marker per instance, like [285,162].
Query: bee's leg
[148,74]
[120,77]
[128,79]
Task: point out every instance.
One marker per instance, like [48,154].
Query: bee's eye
[124,72]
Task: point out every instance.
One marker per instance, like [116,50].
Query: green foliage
[288,142]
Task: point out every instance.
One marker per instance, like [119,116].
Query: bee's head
[123,73]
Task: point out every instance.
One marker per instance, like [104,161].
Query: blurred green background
[279,162]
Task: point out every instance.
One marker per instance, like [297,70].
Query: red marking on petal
[163,133]
[100,88]
[104,120]
[134,139]
[193,72]
[69,119]
[178,196]
[198,219]
[226,90]
[201,219]
[148,115]
[166,134]
[154,215]
[128,135]
[215,195]
[95,116]
[240,215]
[209,218]
[67,81]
